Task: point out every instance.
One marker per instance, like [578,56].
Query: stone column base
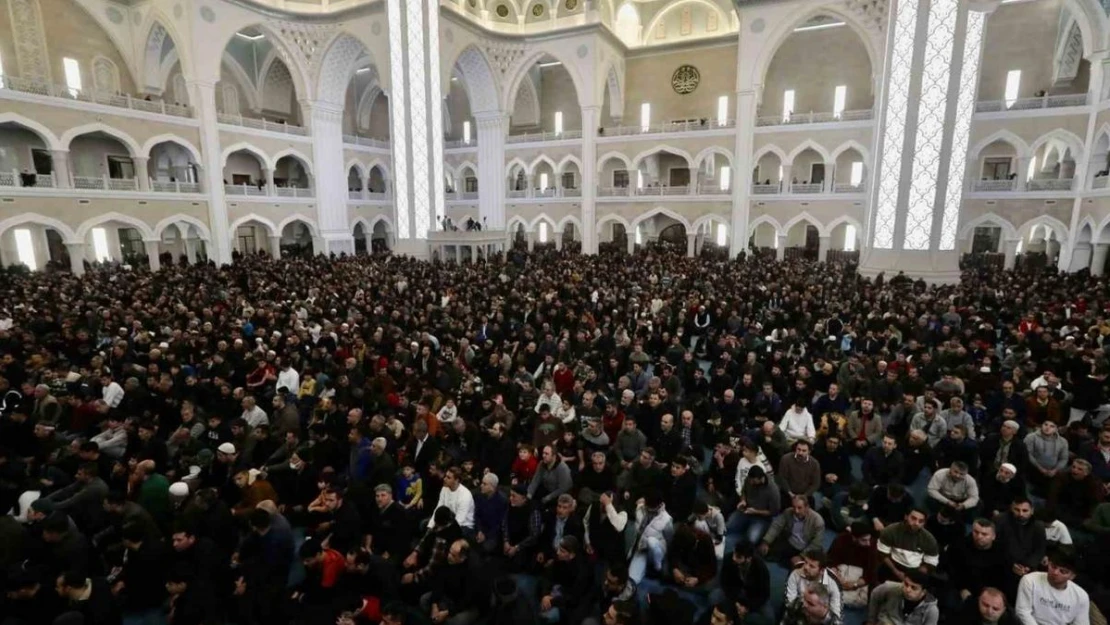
[416,248]
[932,267]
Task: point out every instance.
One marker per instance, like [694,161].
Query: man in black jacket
[567,583]
[142,579]
[458,589]
[92,598]
[556,526]
[191,603]
[681,489]
[390,526]
[745,581]
[975,562]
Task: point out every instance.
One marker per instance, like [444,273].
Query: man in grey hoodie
[1048,455]
[907,602]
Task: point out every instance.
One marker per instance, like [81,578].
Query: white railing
[666,127]
[166,186]
[262,124]
[814,118]
[843,187]
[765,189]
[995,185]
[9,179]
[244,189]
[378,196]
[1100,182]
[459,143]
[806,189]
[571,192]
[712,189]
[16,179]
[467,196]
[663,190]
[35,87]
[294,192]
[1029,104]
[613,191]
[354,195]
[530,137]
[369,142]
[1050,184]
[516,193]
[96,183]
[548,192]
[122,184]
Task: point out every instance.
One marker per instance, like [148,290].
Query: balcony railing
[244,189]
[461,196]
[378,196]
[1050,184]
[995,185]
[16,179]
[807,188]
[459,143]
[613,191]
[572,192]
[814,118]
[35,87]
[262,124]
[843,187]
[516,193]
[103,183]
[1029,104]
[294,192]
[166,186]
[369,142]
[1099,182]
[765,189]
[666,127]
[530,137]
[706,188]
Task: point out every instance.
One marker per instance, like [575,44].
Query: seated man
[458,589]
[655,528]
[907,546]
[1051,597]
[853,561]
[813,571]
[745,581]
[567,583]
[988,608]
[792,532]
[954,489]
[811,608]
[693,559]
[908,602]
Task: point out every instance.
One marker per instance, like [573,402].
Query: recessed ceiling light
[550,64]
[251,37]
[802,29]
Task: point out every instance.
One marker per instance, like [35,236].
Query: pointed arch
[779,35]
[67,138]
[153,77]
[48,137]
[770,149]
[710,218]
[804,216]
[481,84]
[516,220]
[569,219]
[542,158]
[808,144]
[308,221]
[363,170]
[171,138]
[1102,231]
[765,219]
[1066,137]
[515,162]
[1088,224]
[532,227]
[1048,221]
[845,219]
[711,151]
[522,67]
[567,160]
[381,164]
[173,220]
[613,218]
[361,221]
[529,98]
[458,171]
[660,148]
[1019,144]
[661,210]
[851,144]
[246,85]
[290,57]
[296,154]
[263,160]
[366,102]
[614,85]
[68,235]
[134,222]
[338,64]
[242,221]
[617,155]
[381,218]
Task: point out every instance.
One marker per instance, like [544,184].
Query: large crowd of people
[552,438]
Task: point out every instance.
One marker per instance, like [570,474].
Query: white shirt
[1057,532]
[255,417]
[1038,603]
[796,585]
[112,394]
[798,425]
[290,379]
[459,501]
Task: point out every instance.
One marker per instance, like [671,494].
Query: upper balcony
[666,128]
[262,124]
[805,119]
[1032,104]
[115,100]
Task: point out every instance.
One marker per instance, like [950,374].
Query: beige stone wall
[70,32]
[813,64]
[458,104]
[1029,128]
[1023,36]
[1017,211]
[60,119]
[648,79]
[74,211]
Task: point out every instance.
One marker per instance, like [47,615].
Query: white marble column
[1021,182]
[830,177]
[691,242]
[492,184]
[268,175]
[1009,253]
[142,174]
[191,250]
[558,240]
[203,99]
[1098,258]
[780,249]
[928,99]
[531,241]
[60,163]
[631,242]
[591,119]
[742,169]
[275,245]
[151,248]
[823,248]
[330,186]
[76,258]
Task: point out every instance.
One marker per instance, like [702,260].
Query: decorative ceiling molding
[871,12]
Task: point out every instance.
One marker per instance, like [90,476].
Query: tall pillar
[275,245]
[191,250]
[1009,253]
[531,240]
[823,248]
[691,242]
[416,109]
[787,180]
[558,240]
[60,163]
[203,98]
[742,165]
[141,172]
[492,129]
[591,119]
[780,248]
[1021,183]
[631,243]
[830,177]
[331,178]
[151,249]
[1083,170]
[1098,258]
[268,175]
[530,185]
[926,102]
[76,258]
